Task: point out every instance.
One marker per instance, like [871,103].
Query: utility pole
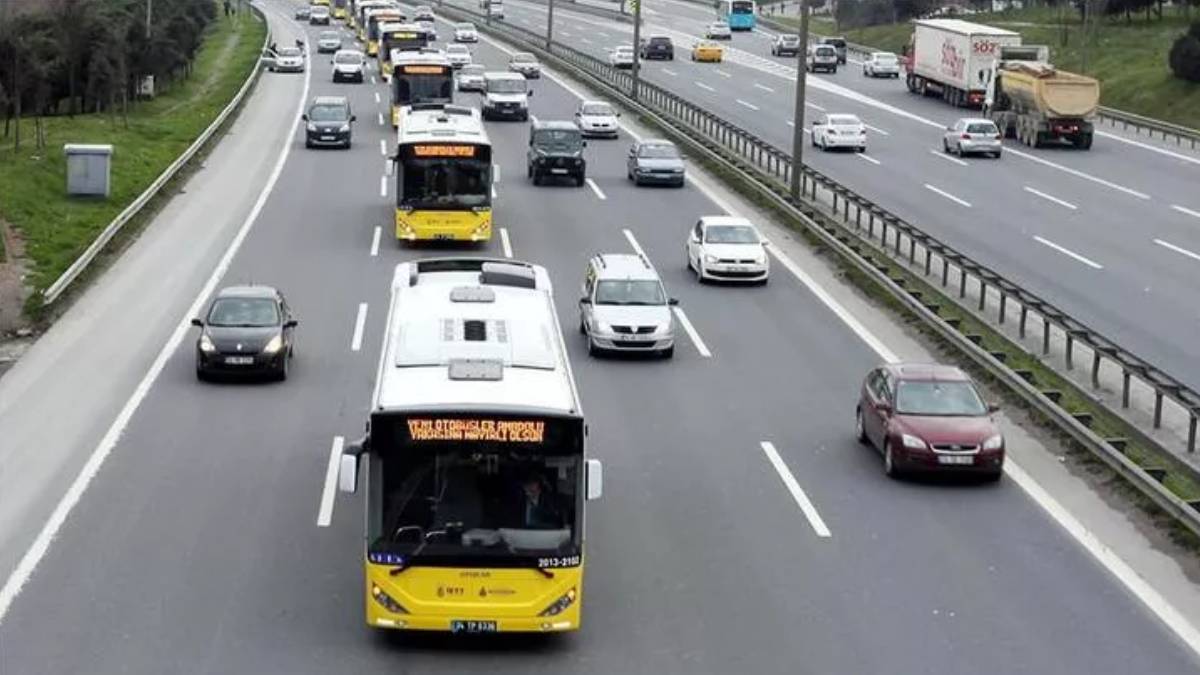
[550,26]
[149,14]
[798,115]
[637,49]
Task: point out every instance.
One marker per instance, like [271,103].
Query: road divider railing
[55,290]
[987,318]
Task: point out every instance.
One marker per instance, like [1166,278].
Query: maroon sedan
[928,418]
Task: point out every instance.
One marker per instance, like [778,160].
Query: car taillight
[966,137]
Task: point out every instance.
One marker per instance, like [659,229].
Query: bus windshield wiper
[404,566]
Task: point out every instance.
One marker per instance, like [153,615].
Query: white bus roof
[441,124]
[481,335]
[963,27]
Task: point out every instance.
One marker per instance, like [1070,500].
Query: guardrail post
[871,224]
[835,202]
[912,249]
[1192,433]
[928,259]
[1024,316]
[899,236]
[945,271]
[1070,350]
[1124,388]
[1095,368]
[1158,397]
[962,282]
[846,209]
[982,293]
[1003,305]
[858,216]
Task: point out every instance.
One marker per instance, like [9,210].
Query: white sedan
[465,32]
[621,57]
[718,30]
[881,64]
[727,248]
[597,118]
[458,55]
[839,131]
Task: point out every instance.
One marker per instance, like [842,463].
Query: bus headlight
[385,601]
[560,605]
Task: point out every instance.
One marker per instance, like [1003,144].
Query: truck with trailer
[1034,102]
[952,58]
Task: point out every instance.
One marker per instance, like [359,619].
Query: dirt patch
[13,289]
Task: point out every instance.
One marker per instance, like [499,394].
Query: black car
[329,122]
[658,47]
[556,149]
[249,330]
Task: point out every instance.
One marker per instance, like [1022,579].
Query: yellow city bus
[420,77]
[399,37]
[339,9]
[474,466]
[443,165]
[374,19]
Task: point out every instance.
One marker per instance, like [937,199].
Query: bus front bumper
[443,226]
[441,624]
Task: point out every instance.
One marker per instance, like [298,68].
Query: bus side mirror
[595,479]
[348,474]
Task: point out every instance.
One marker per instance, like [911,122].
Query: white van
[506,96]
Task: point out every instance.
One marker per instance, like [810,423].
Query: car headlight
[678,169]
[385,601]
[602,327]
[912,442]
[344,128]
[274,345]
[206,344]
[994,443]
[560,605]
[710,259]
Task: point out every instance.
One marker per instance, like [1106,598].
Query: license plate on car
[558,170]
[327,138]
[239,360]
[471,626]
[956,459]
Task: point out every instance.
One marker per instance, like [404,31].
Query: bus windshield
[743,7]
[409,88]
[459,489]
[441,182]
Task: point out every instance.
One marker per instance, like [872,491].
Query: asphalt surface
[196,549]
[1111,235]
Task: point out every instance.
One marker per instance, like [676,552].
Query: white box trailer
[953,59]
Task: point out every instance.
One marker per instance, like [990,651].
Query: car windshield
[982,128]
[347,58]
[289,51]
[660,40]
[844,120]
[836,42]
[523,58]
[457,49]
[328,113]
[630,292]
[938,399]
[330,35]
[661,151]
[720,25]
[826,50]
[597,109]
[885,58]
[472,70]
[789,39]
[730,234]
[243,312]
[558,139]
[623,51]
[464,26]
[506,86]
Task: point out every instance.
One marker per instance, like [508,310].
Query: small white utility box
[89,169]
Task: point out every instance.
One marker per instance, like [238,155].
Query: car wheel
[282,373]
[860,428]
[996,155]
[593,350]
[201,375]
[688,256]
[945,146]
[537,177]
[582,327]
[668,352]
[579,180]
[889,462]
[958,149]
[529,171]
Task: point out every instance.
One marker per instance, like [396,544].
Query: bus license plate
[443,237]
[466,626]
[956,459]
[239,360]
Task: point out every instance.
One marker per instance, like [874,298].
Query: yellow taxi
[707,50]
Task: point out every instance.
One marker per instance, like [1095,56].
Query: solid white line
[505,243]
[634,243]
[1068,252]
[877,130]
[1194,214]
[41,544]
[375,241]
[691,331]
[670,72]
[763,87]
[867,158]
[703,86]
[814,106]
[947,195]
[383,186]
[380,119]
[373,80]
[807,131]
[496,167]
[595,188]
[948,158]
[360,322]
[834,306]
[1047,197]
[802,500]
[748,105]
[1151,148]
[791,123]
[377,97]
[721,72]
[329,491]
[1177,249]
[383,147]
[1080,174]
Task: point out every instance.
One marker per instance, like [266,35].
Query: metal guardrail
[861,230]
[85,259]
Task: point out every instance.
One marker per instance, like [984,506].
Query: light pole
[149,13]
[550,26]
[798,115]
[637,50]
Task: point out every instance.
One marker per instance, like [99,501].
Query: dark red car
[926,417]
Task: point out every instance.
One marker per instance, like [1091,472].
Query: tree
[1185,55]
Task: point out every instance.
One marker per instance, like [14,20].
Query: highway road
[196,548]
[1112,235]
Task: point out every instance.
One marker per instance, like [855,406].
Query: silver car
[288,60]
[881,64]
[525,64]
[625,307]
[718,30]
[973,135]
[458,56]
[655,161]
[470,78]
[328,42]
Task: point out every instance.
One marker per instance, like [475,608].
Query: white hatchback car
[597,118]
[465,32]
[458,55]
[621,57]
[718,30]
[839,131]
[727,248]
[881,64]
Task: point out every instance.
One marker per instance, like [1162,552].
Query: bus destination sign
[425,429]
[444,150]
[425,70]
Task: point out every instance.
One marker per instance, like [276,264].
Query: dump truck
[952,59]
[1031,100]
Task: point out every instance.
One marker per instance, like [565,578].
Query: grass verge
[57,228]
[1130,60]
